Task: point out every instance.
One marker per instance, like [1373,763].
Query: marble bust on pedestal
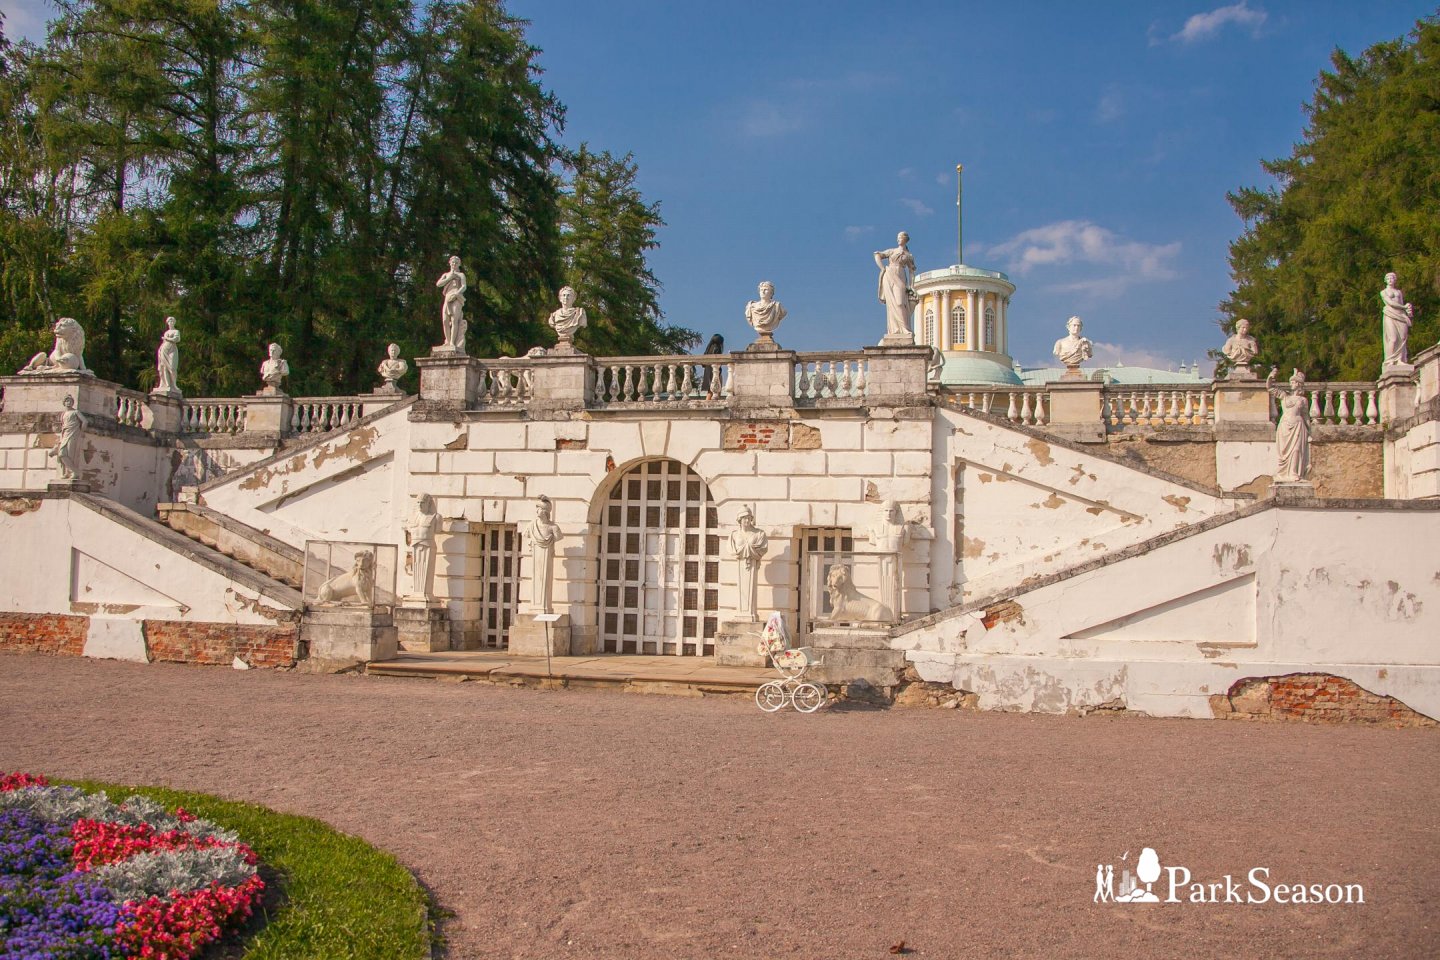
[764,316]
[567,321]
[1073,349]
[274,370]
[392,368]
[1240,349]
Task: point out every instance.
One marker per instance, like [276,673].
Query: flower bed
[82,877]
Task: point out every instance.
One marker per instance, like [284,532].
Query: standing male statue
[452,307]
[543,533]
[420,531]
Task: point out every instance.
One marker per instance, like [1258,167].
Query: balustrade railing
[322,414]
[1025,405]
[212,416]
[1155,405]
[836,377]
[130,408]
[1343,403]
[662,380]
[504,385]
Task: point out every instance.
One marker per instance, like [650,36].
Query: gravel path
[593,824]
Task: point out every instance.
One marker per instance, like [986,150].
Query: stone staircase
[238,541]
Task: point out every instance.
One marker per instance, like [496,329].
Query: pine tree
[608,229]
[1358,197]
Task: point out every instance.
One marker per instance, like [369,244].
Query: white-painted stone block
[525,462]
[581,462]
[467,461]
[498,435]
[424,462]
[618,438]
[1238,463]
[747,489]
[688,438]
[785,464]
[827,489]
[859,464]
[840,434]
[897,435]
[435,436]
[493,485]
[439,485]
[116,639]
[913,464]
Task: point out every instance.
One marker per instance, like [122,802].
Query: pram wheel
[771,696]
[809,697]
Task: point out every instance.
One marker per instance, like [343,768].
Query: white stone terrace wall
[1342,587]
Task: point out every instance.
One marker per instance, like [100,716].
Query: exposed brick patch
[1312,698]
[563,443]
[756,435]
[219,644]
[53,633]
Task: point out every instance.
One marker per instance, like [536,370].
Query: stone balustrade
[131,408]
[660,380]
[214,416]
[1155,405]
[1027,405]
[504,383]
[323,414]
[838,377]
[1344,403]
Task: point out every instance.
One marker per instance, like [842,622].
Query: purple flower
[48,911]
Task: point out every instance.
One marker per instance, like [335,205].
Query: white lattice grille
[818,540]
[499,582]
[659,563]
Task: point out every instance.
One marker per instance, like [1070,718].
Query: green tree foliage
[608,229]
[298,171]
[1358,197]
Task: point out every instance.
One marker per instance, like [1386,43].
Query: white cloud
[1068,243]
[766,118]
[1203,26]
[916,207]
[855,233]
[906,173]
[1110,107]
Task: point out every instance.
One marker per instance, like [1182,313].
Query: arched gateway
[659,563]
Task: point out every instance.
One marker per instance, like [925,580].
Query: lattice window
[815,540]
[989,328]
[957,327]
[660,563]
[929,329]
[499,582]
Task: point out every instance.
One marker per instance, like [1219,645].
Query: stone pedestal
[268,413]
[1242,401]
[1292,490]
[1075,410]
[448,380]
[763,381]
[764,343]
[1398,391]
[165,412]
[1073,375]
[737,643]
[44,393]
[560,381]
[422,629]
[348,635]
[896,375]
[532,638]
[854,653]
[898,340]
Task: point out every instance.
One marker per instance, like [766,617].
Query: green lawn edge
[343,898]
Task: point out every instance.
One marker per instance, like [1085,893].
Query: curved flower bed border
[82,877]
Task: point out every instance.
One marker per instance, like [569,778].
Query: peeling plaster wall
[346,487]
[1350,592]
[1023,507]
[132,470]
[80,562]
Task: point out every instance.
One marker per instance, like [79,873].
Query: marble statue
[420,530]
[1240,349]
[392,368]
[357,586]
[934,364]
[1073,349]
[67,447]
[543,533]
[568,320]
[764,316]
[748,545]
[888,538]
[895,289]
[452,307]
[1395,323]
[275,369]
[847,604]
[167,361]
[1292,433]
[68,355]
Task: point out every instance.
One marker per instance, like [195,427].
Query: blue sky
[789,140]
